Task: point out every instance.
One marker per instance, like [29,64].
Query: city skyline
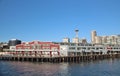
[53,20]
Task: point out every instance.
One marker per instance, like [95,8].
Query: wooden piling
[62,59]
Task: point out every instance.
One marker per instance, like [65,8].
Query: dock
[59,59]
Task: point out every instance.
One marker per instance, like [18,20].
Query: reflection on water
[33,69]
[94,68]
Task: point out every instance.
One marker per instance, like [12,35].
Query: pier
[59,59]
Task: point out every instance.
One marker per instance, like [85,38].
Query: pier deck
[59,59]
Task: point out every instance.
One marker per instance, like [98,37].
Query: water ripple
[95,68]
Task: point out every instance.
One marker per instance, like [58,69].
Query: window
[97,48]
[83,47]
[72,44]
[72,48]
[93,48]
[88,48]
[78,48]
[101,48]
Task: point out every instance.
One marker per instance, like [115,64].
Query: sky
[53,20]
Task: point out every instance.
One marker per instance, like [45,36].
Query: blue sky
[52,20]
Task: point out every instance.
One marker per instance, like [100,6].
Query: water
[109,67]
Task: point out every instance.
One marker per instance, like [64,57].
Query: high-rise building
[93,35]
[75,40]
[104,39]
[118,39]
[13,42]
[66,40]
[112,39]
[84,41]
[98,39]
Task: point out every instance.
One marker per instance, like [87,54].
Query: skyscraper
[93,35]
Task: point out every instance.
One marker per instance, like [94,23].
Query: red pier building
[37,49]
